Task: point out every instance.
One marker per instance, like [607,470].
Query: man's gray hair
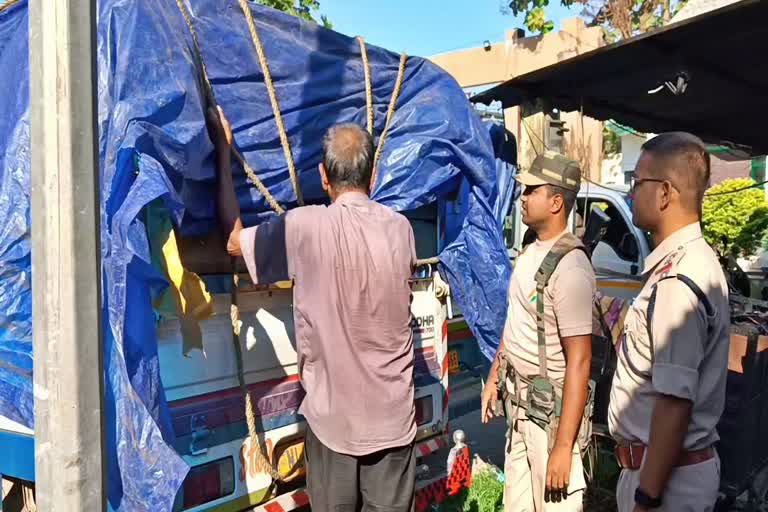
[348,154]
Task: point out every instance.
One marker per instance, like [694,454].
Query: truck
[189,405]
[207,405]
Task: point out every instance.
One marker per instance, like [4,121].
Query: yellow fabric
[187,296]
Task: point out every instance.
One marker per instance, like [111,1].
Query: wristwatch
[644,500]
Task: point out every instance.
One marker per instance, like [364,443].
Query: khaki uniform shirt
[690,348]
[567,309]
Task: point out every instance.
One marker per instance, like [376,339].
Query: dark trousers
[380,482]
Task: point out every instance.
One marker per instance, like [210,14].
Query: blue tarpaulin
[153,144]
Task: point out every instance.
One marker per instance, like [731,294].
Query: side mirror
[597,225]
[628,249]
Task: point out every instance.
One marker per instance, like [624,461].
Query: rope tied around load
[272,99]
[211,100]
[390,114]
[262,461]
[368,88]
[8,4]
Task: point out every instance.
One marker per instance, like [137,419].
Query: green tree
[301,8]
[619,18]
[735,223]
[611,141]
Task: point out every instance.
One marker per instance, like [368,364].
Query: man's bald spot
[348,156]
[682,159]
[347,141]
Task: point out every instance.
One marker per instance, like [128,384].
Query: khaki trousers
[525,472]
[690,488]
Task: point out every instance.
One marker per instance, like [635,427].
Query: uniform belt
[630,456]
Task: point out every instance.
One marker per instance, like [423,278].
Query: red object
[437,491]
[431,445]
[461,473]
[286,502]
[432,494]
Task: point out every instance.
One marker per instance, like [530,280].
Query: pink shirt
[350,263]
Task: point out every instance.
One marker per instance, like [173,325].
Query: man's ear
[665,194]
[373,180]
[557,203]
[323,176]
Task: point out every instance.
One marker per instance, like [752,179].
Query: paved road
[485,440]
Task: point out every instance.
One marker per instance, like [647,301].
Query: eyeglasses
[635,181]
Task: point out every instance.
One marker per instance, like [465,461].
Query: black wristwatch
[644,500]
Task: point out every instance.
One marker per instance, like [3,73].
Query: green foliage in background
[619,18]
[301,8]
[611,141]
[735,224]
[484,495]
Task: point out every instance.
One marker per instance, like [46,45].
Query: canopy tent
[703,75]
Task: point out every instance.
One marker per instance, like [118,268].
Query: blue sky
[427,27]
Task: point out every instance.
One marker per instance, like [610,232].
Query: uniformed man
[543,469]
[669,388]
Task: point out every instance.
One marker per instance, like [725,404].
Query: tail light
[208,482]
[424,410]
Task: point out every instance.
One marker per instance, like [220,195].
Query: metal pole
[66,270]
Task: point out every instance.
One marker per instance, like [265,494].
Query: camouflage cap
[552,169]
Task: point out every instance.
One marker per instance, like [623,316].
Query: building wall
[518,55]
[722,170]
[584,143]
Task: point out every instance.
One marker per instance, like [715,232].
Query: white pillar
[68,367]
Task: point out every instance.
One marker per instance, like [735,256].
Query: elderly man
[669,387]
[350,263]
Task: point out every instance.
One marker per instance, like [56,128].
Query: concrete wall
[611,171]
[584,143]
[518,55]
[617,166]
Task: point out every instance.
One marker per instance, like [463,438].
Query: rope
[211,100]
[8,4]
[272,99]
[368,93]
[390,112]
[262,463]
[530,138]
[258,183]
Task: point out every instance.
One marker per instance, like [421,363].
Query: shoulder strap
[700,295]
[563,246]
